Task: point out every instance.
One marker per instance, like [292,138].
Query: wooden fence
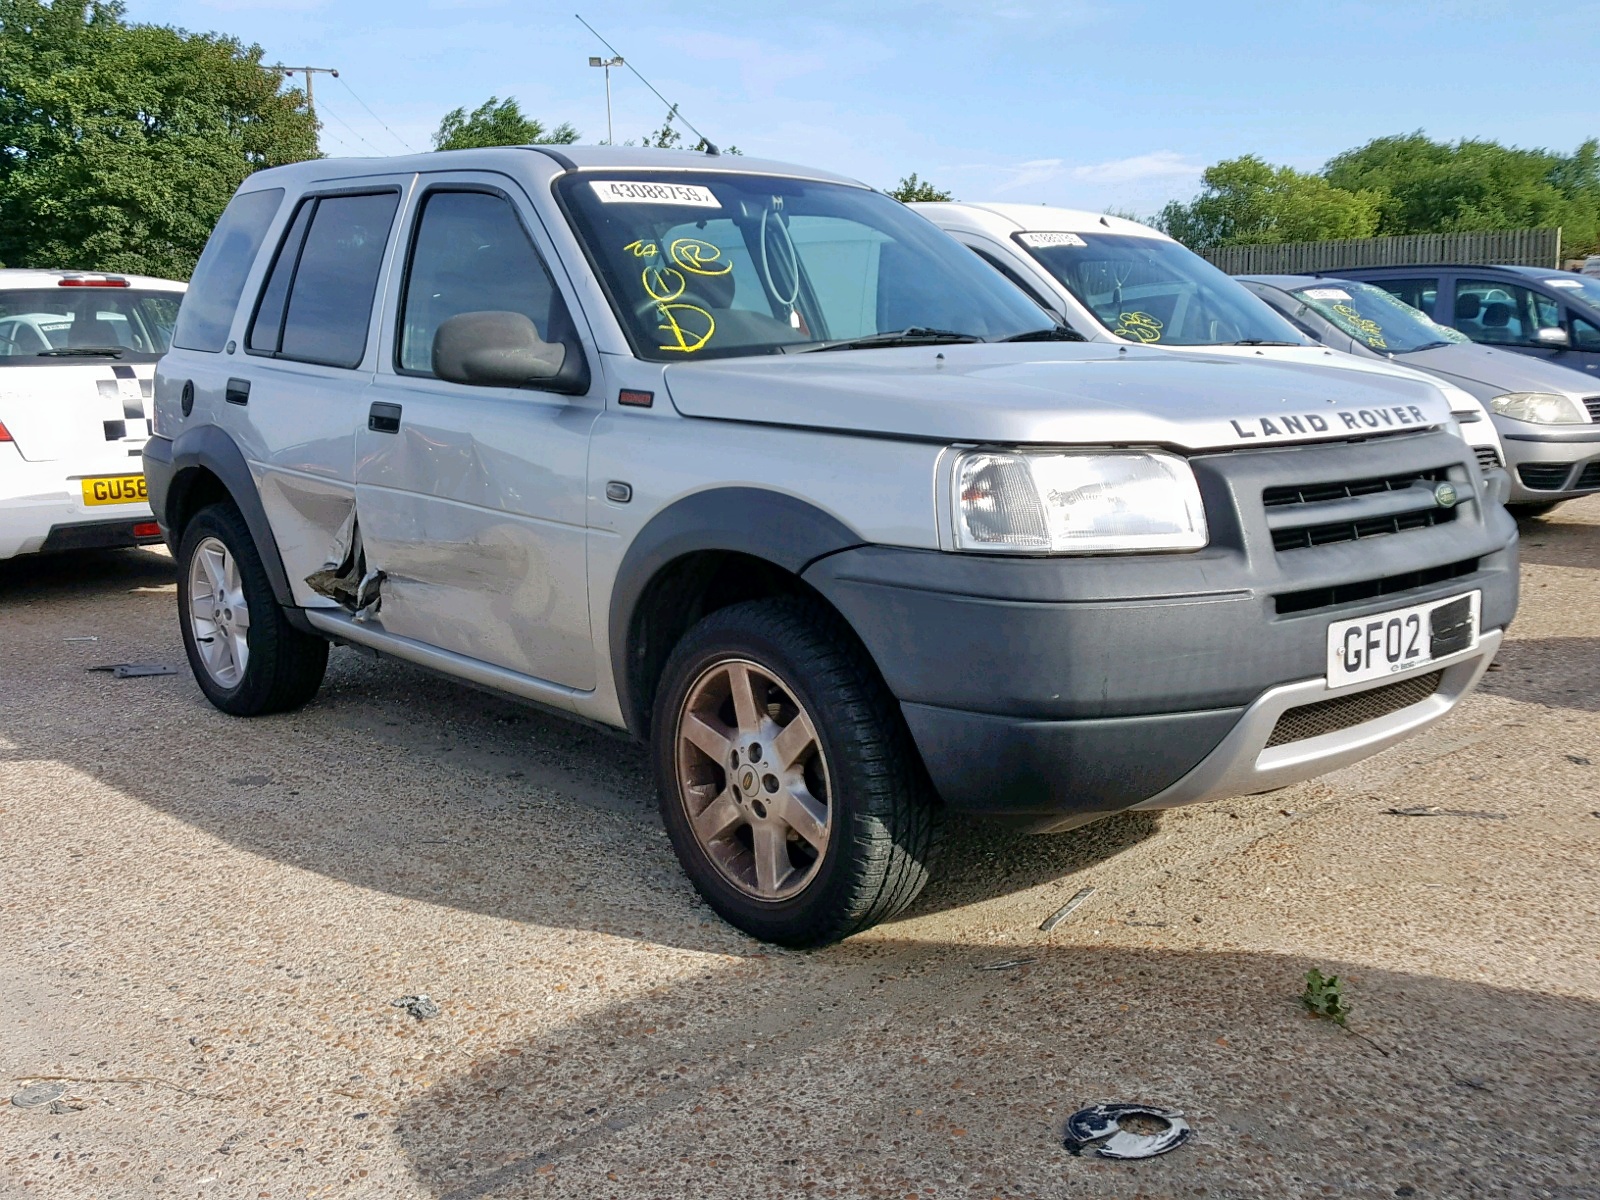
[1521,247]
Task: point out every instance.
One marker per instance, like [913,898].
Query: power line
[352,129]
[376,117]
[672,109]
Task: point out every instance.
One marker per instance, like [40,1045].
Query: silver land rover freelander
[755,463]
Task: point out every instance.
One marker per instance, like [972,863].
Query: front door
[471,500]
[1508,316]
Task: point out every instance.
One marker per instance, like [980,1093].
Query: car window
[207,312]
[52,323]
[1585,336]
[711,264]
[472,254]
[1506,314]
[1374,317]
[1011,273]
[1151,290]
[1419,293]
[328,281]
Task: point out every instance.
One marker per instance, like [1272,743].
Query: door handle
[238,391]
[384,418]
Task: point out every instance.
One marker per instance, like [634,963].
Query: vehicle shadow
[39,577]
[401,781]
[1555,672]
[895,1068]
[1563,537]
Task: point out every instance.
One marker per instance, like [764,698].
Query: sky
[1082,103]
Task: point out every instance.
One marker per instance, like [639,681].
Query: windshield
[704,265]
[1148,289]
[1375,318]
[66,324]
[1574,286]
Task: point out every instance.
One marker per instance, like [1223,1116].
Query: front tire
[246,657]
[788,782]
[1527,512]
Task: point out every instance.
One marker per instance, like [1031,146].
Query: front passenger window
[471,254]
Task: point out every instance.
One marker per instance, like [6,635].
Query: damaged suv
[755,463]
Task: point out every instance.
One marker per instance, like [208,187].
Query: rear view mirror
[495,349]
[1553,337]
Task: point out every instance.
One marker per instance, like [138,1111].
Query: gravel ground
[205,922]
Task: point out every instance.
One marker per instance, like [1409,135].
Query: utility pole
[310,73]
[608,63]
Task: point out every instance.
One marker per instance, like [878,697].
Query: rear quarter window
[207,311]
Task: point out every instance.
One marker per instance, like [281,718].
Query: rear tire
[788,782]
[246,657]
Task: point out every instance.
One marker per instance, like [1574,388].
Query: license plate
[1372,647]
[115,489]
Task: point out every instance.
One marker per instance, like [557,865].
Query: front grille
[1280,502]
[1370,589]
[1592,403]
[1543,477]
[1330,716]
[1590,477]
[1487,458]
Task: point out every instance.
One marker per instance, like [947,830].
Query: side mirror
[494,349]
[1553,337]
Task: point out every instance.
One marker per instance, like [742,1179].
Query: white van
[77,357]
[1115,280]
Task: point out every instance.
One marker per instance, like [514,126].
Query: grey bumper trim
[1243,765]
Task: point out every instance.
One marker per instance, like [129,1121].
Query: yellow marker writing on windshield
[698,257]
[663,283]
[1138,327]
[685,339]
[1368,330]
[642,249]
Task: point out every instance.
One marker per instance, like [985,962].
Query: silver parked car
[755,463]
[1548,416]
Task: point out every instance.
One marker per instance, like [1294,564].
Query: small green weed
[1324,997]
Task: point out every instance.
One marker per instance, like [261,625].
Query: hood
[1057,394]
[91,412]
[1487,372]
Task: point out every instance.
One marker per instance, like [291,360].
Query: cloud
[1139,168]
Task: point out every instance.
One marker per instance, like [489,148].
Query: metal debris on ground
[38,1094]
[1433,810]
[1005,964]
[86,638]
[135,670]
[421,1006]
[1065,911]
[1580,759]
[1100,1126]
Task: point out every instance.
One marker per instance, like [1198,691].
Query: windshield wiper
[913,335]
[1263,342]
[1427,346]
[82,352]
[1056,333]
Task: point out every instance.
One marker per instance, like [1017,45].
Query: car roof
[16,278]
[553,159]
[1410,267]
[1283,281]
[1003,220]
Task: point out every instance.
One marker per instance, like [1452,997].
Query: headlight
[1026,502]
[1540,408]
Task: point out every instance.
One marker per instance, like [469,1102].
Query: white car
[1115,280]
[77,357]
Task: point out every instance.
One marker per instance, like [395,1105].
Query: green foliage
[497,122]
[1324,997]
[1396,185]
[911,190]
[669,137]
[1245,200]
[120,144]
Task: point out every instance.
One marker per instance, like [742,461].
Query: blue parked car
[1549,314]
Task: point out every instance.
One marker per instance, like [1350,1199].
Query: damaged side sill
[345,627]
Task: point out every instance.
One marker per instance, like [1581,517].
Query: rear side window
[207,311]
[1421,294]
[471,254]
[317,302]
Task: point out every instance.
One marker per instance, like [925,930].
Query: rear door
[298,387]
[472,499]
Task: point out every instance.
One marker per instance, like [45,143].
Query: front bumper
[1051,691]
[1550,462]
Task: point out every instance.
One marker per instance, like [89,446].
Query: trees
[1394,185]
[1246,200]
[911,190]
[120,144]
[497,122]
